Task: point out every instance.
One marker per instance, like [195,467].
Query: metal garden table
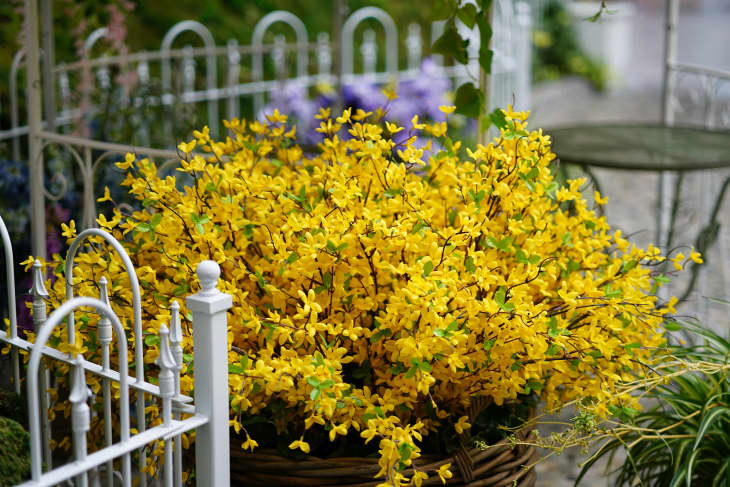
[651,147]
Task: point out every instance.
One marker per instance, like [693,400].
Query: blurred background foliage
[557,52]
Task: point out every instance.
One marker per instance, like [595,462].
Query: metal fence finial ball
[208,272]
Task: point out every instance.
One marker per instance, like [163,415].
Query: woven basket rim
[501,464]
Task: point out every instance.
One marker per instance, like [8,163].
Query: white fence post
[210,339]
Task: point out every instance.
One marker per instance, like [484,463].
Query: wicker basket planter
[497,466]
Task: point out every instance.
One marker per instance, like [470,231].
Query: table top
[642,147]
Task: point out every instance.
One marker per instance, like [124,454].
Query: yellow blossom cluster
[380,286]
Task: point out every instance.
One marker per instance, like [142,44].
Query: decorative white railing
[288,59]
[208,415]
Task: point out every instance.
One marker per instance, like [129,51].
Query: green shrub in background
[684,439]
[14,452]
[557,52]
[13,406]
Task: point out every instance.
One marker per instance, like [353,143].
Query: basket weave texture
[499,465]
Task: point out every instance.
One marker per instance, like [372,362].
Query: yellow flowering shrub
[379,291]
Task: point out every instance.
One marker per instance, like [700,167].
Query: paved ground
[703,37]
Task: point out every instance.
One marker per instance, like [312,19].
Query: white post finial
[39,288]
[104,331]
[166,362]
[210,342]
[176,338]
[105,325]
[208,273]
[39,293]
[167,390]
[80,412]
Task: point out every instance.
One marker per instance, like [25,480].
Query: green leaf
[611,293]
[260,280]
[451,44]
[327,280]
[424,366]
[442,9]
[672,326]
[314,394]
[498,118]
[405,451]
[484,5]
[235,369]
[500,294]
[393,192]
[326,384]
[418,226]
[467,14]
[151,340]
[477,197]
[553,329]
[247,230]
[469,100]
[469,264]
[427,268]
[452,217]
[552,350]
[715,413]
[293,257]
[630,348]
[533,385]
[485,36]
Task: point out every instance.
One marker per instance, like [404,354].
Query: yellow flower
[695,257]
[447,109]
[186,148]
[106,197]
[418,478]
[68,231]
[389,93]
[444,473]
[338,429]
[345,118]
[678,260]
[416,125]
[324,113]
[249,444]
[598,199]
[462,425]
[301,444]
[128,162]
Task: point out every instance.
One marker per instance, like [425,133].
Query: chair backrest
[697,95]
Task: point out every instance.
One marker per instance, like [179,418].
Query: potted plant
[684,437]
[393,304]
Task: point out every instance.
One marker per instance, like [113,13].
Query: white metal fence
[208,414]
[233,75]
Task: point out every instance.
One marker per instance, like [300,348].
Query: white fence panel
[209,414]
